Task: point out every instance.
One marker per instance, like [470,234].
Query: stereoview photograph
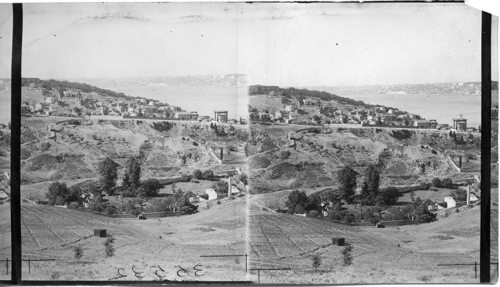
[320,143]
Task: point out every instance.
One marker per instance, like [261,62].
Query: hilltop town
[271,104]
[69,99]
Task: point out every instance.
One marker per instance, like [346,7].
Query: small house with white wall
[212,194]
[450,202]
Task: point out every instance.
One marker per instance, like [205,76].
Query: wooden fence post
[246,263]
[475,269]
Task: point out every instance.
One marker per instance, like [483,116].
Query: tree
[149,188]
[109,173]
[132,177]
[313,202]
[389,195]
[347,179]
[74,194]
[371,185]
[57,193]
[296,202]
[197,174]
[436,182]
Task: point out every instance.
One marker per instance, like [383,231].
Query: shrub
[208,174]
[425,278]
[436,182]
[109,246]
[347,254]
[74,205]
[401,134]
[459,194]
[244,179]
[316,260]
[197,174]
[447,182]
[78,252]
[313,213]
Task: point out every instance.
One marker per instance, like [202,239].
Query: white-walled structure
[211,194]
[450,202]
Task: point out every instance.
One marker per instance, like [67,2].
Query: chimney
[460,162]
[229,189]
[221,153]
[468,195]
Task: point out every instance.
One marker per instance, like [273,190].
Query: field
[52,233]
[435,196]
[407,254]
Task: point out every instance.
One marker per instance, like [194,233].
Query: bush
[436,182]
[316,260]
[313,213]
[347,254]
[459,194]
[244,179]
[78,252]
[447,182]
[208,174]
[109,246]
[74,205]
[197,174]
[401,134]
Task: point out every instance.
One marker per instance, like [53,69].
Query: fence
[469,264]
[29,261]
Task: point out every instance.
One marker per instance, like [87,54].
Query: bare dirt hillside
[61,149]
[284,157]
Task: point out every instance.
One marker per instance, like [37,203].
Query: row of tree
[132,185]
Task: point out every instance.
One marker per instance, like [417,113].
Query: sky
[282,44]
[285,44]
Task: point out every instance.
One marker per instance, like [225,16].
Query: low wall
[386,223]
[147,215]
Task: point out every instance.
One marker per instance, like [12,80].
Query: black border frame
[485,251]
[16,80]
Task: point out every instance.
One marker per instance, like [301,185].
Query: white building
[212,194]
[450,202]
[473,197]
